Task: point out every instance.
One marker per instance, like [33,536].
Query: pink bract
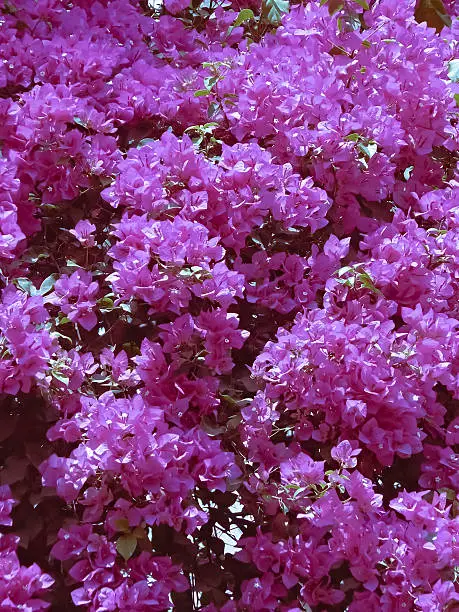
[229,321]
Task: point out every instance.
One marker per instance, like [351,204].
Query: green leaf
[212,64]
[100,379]
[234,421]
[349,282]
[456,97]
[131,348]
[122,524]
[33,256]
[366,280]
[193,128]
[213,109]
[126,545]
[407,173]
[228,399]
[47,284]
[283,507]
[299,491]
[201,93]
[344,270]
[450,493]
[59,335]
[244,15]
[105,304]
[369,149]
[144,142]
[210,81]
[363,4]
[208,128]
[61,378]
[80,122]
[273,10]
[354,137]
[443,16]
[453,70]
[25,285]
[433,12]
[71,264]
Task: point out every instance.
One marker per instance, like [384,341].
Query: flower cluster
[229,321]
[26,345]
[21,588]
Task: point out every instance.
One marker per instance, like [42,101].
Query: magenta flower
[76,297]
[236,385]
[83,233]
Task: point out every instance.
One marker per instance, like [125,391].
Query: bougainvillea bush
[229,367]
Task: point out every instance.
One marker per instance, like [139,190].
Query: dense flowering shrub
[229,321]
